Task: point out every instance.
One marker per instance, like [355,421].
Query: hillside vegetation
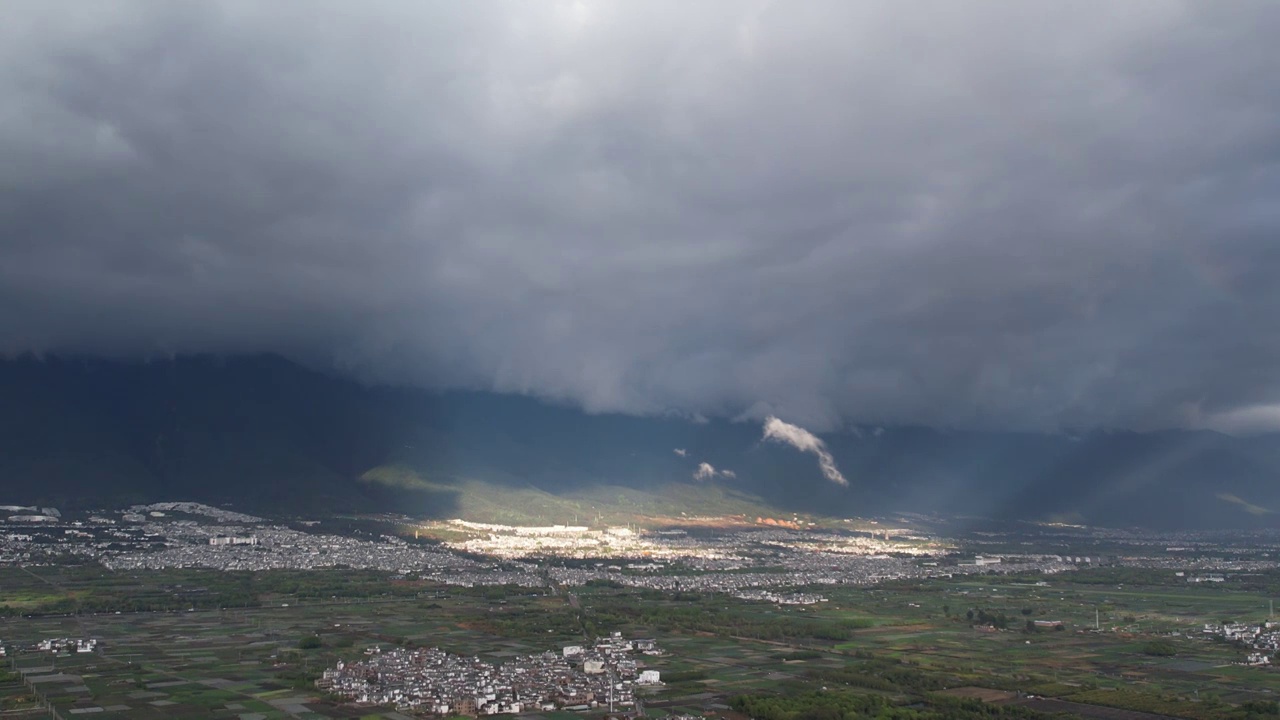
[491,502]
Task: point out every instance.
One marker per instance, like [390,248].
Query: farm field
[894,642]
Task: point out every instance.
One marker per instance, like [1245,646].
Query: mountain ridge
[263,432]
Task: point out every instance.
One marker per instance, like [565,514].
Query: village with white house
[604,674]
[1262,641]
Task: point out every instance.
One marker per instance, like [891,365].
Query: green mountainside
[490,502]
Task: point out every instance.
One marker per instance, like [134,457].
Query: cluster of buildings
[191,535]
[727,549]
[58,646]
[1263,641]
[774,564]
[480,576]
[436,682]
[189,544]
[613,654]
[797,570]
[234,540]
[1210,568]
[564,541]
[780,598]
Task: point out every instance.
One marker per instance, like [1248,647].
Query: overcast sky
[974,214]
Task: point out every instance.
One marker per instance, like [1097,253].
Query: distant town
[766,563]
[390,616]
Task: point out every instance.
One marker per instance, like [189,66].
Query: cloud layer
[804,441]
[1034,215]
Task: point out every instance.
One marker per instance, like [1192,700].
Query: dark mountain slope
[264,433]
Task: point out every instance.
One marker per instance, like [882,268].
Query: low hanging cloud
[804,441]
[681,452]
[705,471]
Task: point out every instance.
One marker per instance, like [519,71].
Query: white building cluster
[780,598]
[67,645]
[1263,640]
[436,682]
[233,540]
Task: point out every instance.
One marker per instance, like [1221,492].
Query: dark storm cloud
[978,214]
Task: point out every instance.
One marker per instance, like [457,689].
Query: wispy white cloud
[804,441]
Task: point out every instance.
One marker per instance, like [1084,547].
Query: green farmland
[910,644]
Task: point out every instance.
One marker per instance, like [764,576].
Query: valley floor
[910,645]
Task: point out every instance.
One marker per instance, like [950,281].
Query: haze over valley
[639,359]
[271,436]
